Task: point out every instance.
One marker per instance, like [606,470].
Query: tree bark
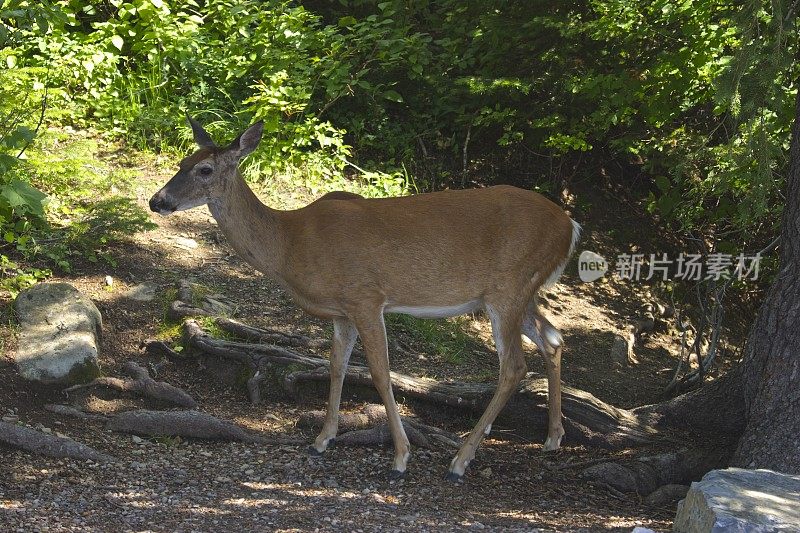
[713,413]
[770,372]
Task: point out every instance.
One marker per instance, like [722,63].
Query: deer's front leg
[372,331]
[344,338]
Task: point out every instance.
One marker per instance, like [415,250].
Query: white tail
[352,259]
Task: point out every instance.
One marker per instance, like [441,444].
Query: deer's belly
[435,311]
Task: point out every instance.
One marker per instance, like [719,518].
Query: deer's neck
[252,228]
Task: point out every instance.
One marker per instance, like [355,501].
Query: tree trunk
[770,372]
[756,407]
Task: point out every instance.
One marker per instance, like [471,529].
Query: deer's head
[205,175]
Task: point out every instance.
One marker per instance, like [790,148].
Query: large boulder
[59,334]
[739,500]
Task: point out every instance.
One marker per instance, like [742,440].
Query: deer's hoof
[394,475]
[452,477]
[313,452]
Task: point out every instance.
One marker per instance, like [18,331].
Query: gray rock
[739,500]
[59,334]
[143,292]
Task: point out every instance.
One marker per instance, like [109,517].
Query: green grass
[172,331]
[211,327]
[446,339]
[169,330]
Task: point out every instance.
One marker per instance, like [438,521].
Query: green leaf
[663,183]
[21,194]
[11,61]
[117,41]
[394,96]
[6,162]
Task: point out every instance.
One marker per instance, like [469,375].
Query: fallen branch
[35,441]
[191,424]
[142,384]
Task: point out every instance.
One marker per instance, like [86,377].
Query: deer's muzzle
[162,203]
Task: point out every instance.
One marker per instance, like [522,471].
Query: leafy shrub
[695,96]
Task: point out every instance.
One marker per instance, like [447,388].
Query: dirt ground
[174,485]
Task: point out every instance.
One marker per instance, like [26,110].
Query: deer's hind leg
[508,340]
[550,342]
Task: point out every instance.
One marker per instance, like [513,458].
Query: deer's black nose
[160,204]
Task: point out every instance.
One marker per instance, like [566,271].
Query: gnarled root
[191,424]
[143,385]
[38,442]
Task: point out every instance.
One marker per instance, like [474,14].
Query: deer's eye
[206,171]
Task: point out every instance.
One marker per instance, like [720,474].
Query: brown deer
[435,255]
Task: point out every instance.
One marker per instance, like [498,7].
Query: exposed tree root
[35,441]
[313,420]
[68,410]
[380,436]
[588,420]
[268,336]
[251,355]
[191,424]
[645,474]
[142,384]
[178,310]
[155,348]
[369,428]
[182,307]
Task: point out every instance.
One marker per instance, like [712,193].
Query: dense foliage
[696,97]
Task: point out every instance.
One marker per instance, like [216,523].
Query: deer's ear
[201,136]
[248,141]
